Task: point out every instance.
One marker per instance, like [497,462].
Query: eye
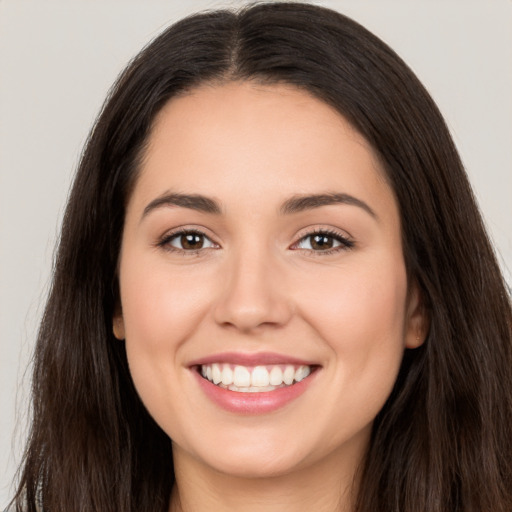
[187,240]
[324,241]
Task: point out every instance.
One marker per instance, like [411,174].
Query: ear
[417,320]
[118,324]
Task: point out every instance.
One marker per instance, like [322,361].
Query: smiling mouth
[254,379]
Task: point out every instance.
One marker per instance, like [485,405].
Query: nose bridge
[254,291]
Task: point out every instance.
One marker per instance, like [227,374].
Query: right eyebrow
[300,203]
[193,201]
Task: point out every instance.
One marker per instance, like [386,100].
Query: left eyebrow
[193,201]
[300,203]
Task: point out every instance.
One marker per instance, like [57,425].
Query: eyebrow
[296,204]
[193,201]
[300,203]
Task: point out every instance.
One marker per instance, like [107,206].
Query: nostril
[247,315]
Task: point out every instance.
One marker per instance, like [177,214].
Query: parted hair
[443,440]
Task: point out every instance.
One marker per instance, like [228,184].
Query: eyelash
[166,240]
[345,242]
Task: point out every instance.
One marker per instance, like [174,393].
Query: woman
[273,289]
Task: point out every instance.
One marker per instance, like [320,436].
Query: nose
[253,294]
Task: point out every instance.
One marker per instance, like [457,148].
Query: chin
[258,467]
[270,457]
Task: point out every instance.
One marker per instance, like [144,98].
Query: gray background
[58,59]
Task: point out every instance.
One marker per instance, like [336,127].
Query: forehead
[260,140]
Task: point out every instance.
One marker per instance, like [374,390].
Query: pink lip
[251,403]
[248,359]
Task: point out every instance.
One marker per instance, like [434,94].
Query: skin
[258,285]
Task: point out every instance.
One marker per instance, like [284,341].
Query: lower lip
[253,403]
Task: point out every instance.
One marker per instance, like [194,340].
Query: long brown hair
[442,442]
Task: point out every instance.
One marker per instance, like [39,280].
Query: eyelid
[164,241]
[346,241]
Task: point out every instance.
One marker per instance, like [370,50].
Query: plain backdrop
[58,60]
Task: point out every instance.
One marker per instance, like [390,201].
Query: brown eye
[192,241]
[189,241]
[324,241]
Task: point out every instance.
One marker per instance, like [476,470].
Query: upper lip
[251,359]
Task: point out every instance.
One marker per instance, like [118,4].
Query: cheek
[161,310]
[360,315]
[160,307]
[367,297]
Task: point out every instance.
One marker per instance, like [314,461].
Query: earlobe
[118,326]
[415,341]
[417,322]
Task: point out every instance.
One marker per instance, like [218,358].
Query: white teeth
[288,375]
[254,380]
[216,374]
[227,375]
[257,389]
[276,376]
[260,377]
[241,377]
[301,373]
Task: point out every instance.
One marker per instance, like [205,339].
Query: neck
[326,486]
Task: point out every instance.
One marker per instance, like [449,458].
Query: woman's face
[262,248]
